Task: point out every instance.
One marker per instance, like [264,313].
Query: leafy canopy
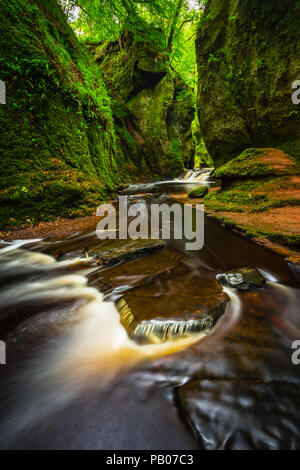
[169,24]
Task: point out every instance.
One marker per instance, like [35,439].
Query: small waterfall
[197,175]
[160,331]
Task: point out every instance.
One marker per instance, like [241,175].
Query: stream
[75,379]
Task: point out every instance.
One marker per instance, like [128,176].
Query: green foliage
[66,142]
[240,200]
[151,21]
[202,156]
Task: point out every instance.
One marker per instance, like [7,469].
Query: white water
[191,176]
[196,176]
[90,343]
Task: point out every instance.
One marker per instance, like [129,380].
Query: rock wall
[154,107]
[248,57]
[71,131]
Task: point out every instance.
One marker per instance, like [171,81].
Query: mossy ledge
[260,195]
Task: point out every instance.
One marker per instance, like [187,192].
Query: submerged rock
[124,250]
[221,413]
[137,272]
[242,279]
[155,104]
[175,305]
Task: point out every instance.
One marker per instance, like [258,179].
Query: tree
[170,24]
[174,24]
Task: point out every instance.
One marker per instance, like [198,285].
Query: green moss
[258,195]
[198,192]
[292,149]
[153,101]
[202,157]
[245,202]
[175,157]
[245,165]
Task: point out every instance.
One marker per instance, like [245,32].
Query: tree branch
[75,2]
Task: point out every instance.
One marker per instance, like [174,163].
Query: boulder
[198,192]
[116,251]
[260,195]
[242,279]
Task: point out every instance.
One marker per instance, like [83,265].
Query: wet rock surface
[124,250]
[242,279]
[243,387]
[266,116]
[235,388]
[137,272]
[238,415]
[158,310]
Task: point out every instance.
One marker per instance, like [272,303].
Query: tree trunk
[174,24]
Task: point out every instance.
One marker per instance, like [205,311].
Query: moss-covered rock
[242,279]
[255,181]
[260,194]
[198,192]
[202,157]
[155,105]
[248,57]
[256,163]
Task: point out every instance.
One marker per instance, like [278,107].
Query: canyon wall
[74,130]
[248,58]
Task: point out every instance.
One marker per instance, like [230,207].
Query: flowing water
[75,379]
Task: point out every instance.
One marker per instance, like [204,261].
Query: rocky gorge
[142,343]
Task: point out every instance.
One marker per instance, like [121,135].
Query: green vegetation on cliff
[69,139]
[102,93]
[59,149]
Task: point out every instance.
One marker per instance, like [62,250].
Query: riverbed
[76,379]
